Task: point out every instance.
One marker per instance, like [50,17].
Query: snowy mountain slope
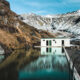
[69,22]
[39,22]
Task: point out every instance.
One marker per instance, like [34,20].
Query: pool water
[48,66]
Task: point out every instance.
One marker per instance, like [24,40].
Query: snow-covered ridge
[69,22]
[39,22]
[75,13]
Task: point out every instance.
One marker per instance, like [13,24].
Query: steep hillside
[69,22]
[14,33]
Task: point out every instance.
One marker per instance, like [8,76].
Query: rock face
[15,34]
[4,7]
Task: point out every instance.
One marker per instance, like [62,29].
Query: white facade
[55,42]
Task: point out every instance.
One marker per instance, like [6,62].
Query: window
[49,42]
[43,40]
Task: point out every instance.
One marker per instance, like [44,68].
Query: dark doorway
[62,42]
[47,43]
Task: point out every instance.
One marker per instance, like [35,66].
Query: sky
[44,7]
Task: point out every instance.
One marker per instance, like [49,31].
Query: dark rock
[21,39]
[6,3]
[75,42]
[77,20]
[6,49]
[3,12]
[8,29]
[27,47]
[33,33]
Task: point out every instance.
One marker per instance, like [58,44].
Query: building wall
[56,42]
[43,43]
[67,42]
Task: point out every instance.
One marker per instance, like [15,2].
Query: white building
[55,42]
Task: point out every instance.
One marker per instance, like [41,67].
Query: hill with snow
[69,22]
[39,22]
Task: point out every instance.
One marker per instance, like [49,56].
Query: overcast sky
[44,7]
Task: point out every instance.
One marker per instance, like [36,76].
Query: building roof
[57,38]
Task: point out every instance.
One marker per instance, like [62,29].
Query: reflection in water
[1,50]
[47,62]
[1,58]
[52,51]
[28,65]
[49,67]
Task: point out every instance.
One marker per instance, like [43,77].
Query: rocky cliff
[14,33]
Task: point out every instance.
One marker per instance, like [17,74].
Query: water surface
[35,65]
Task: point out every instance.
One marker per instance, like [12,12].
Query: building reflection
[52,51]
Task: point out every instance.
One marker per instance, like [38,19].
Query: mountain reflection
[48,63]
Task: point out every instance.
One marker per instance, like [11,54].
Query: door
[62,42]
[48,43]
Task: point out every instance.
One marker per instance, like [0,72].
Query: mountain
[69,22]
[15,34]
[39,22]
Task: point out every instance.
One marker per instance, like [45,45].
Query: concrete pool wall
[75,73]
